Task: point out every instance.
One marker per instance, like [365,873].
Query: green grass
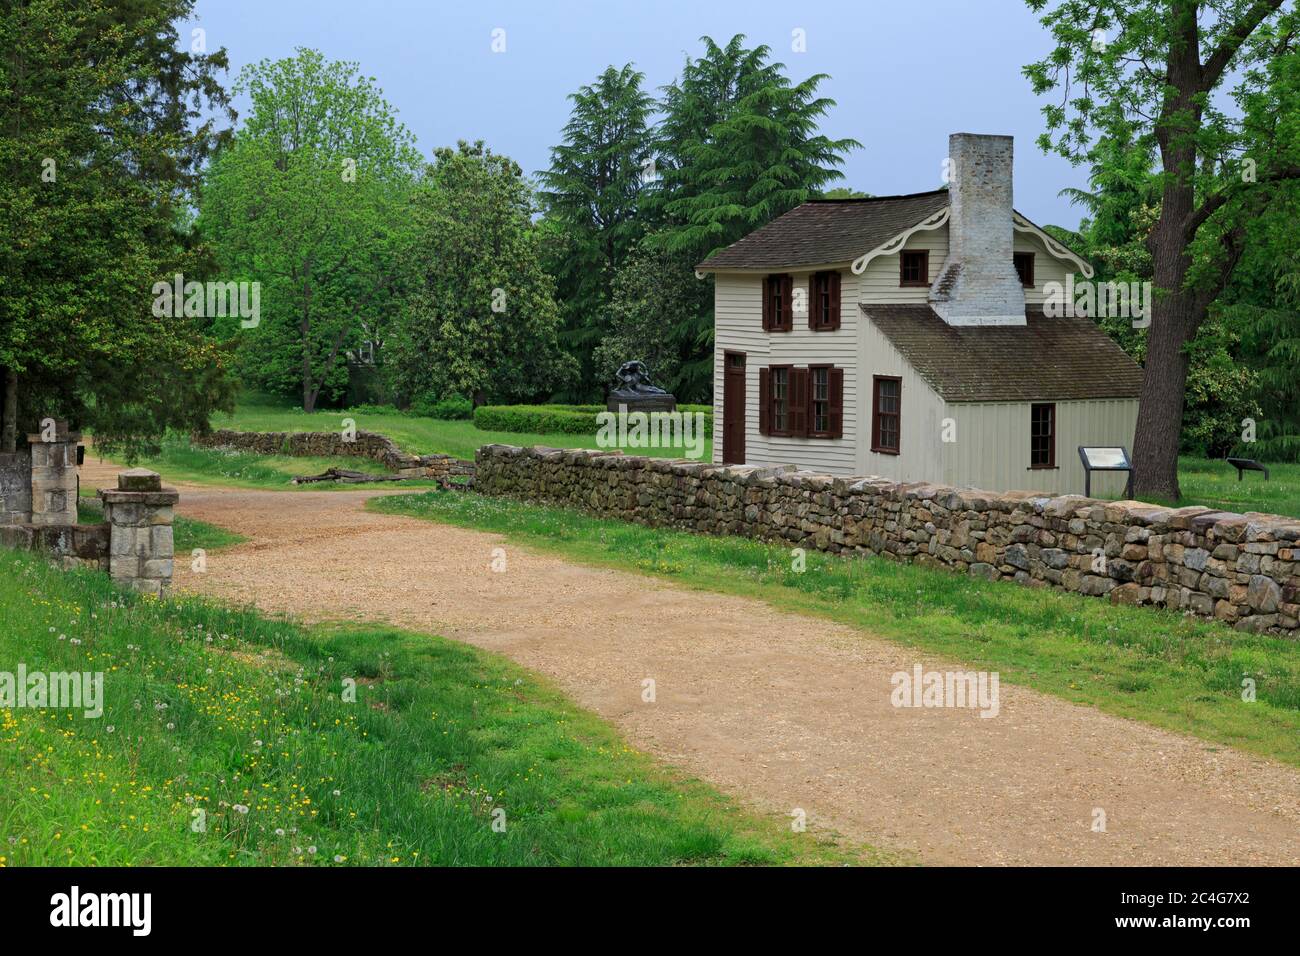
[181,461]
[1177,672]
[1215,485]
[419,436]
[187,533]
[223,711]
[1212,483]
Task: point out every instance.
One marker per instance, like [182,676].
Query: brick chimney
[978,284]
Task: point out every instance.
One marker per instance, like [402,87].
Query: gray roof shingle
[1049,359]
[826,232]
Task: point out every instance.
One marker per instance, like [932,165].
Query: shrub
[453,408]
[557,419]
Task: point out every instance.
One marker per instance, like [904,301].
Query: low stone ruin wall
[72,546]
[363,444]
[1242,569]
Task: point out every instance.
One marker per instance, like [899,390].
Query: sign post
[1108,458]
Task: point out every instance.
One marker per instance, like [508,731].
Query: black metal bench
[1247,464]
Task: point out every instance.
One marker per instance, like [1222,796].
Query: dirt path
[780,710]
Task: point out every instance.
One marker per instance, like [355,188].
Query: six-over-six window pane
[821,399]
[1042,436]
[887,414]
[780,399]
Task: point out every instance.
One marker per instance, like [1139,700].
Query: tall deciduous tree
[1211,87]
[311,199]
[481,321]
[101,140]
[591,193]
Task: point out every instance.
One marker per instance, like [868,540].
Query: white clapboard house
[905,336]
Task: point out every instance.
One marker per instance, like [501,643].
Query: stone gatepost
[139,515]
[54,475]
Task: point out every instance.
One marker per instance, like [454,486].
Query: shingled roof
[826,232]
[1049,359]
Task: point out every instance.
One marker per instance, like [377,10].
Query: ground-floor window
[801,402]
[780,400]
[1042,436]
[886,414]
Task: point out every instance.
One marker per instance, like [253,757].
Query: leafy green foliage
[1210,89]
[445,409]
[311,200]
[655,292]
[559,419]
[591,198]
[481,319]
[104,131]
[737,146]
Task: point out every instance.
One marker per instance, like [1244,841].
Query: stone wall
[15,486]
[1242,569]
[73,546]
[364,444]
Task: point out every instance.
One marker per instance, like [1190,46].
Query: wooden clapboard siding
[1047,268]
[879,281]
[920,457]
[992,447]
[738,327]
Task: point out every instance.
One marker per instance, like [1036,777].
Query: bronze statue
[634,391]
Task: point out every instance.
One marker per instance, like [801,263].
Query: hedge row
[558,419]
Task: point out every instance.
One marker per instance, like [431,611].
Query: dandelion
[311,850]
[240,809]
[279,831]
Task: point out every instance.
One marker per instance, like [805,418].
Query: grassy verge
[227,738]
[187,533]
[1215,485]
[1172,671]
[181,461]
[420,436]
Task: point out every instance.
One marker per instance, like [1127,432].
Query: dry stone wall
[363,444]
[1241,569]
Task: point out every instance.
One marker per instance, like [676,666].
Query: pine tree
[591,198]
[738,146]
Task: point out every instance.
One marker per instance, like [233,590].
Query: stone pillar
[54,476]
[139,515]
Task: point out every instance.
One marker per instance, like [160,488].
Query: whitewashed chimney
[978,284]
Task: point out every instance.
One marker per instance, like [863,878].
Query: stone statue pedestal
[641,401]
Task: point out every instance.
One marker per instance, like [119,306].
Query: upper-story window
[914,267]
[824,307]
[778,303]
[1024,268]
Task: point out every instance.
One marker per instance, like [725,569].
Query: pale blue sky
[904,75]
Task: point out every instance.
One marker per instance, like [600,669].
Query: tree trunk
[1160,407]
[9,437]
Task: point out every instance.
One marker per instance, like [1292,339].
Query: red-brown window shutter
[835,401]
[787,301]
[799,388]
[764,401]
[833,321]
[767,303]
